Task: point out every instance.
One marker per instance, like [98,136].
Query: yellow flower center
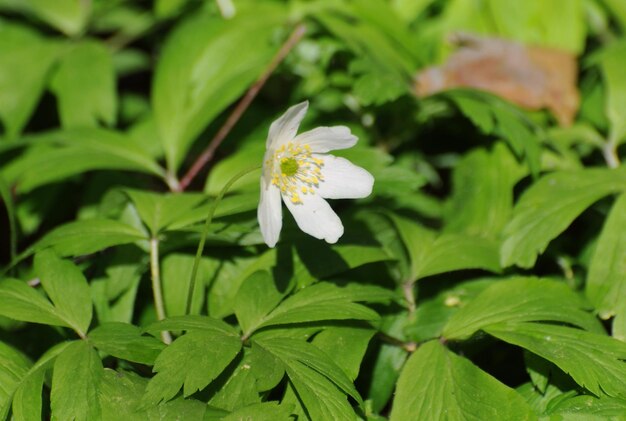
[295,171]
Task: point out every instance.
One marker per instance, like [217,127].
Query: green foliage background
[484,278]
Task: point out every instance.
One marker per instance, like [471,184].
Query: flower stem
[241,107]
[205,231]
[156,287]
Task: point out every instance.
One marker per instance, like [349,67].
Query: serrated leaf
[585,407]
[120,398]
[325,301]
[321,385]
[13,367]
[239,389]
[67,287]
[606,280]
[521,300]
[27,401]
[88,236]
[549,206]
[209,350]
[191,323]
[75,383]
[84,83]
[192,85]
[266,411]
[437,384]
[482,199]
[25,60]
[352,339]
[126,341]
[20,302]
[594,361]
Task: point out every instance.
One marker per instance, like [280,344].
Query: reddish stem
[241,107]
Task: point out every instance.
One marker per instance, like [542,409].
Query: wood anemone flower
[299,169]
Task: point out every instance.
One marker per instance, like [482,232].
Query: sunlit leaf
[437,384]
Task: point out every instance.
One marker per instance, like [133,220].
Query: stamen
[296,171]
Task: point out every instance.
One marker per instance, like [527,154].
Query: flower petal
[324,139]
[285,128]
[315,217]
[343,179]
[270,212]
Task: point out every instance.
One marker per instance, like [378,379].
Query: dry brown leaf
[531,77]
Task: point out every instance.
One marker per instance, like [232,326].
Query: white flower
[298,169]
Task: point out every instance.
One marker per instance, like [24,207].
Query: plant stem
[156,287]
[207,155]
[610,153]
[407,289]
[407,346]
[205,231]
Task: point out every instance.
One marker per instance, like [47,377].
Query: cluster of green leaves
[484,278]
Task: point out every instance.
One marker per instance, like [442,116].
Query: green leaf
[325,301]
[321,385]
[266,411]
[594,361]
[495,116]
[317,260]
[353,339]
[606,280]
[437,384]
[585,407]
[521,300]
[84,84]
[120,398]
[613,61]
[13,367]
[240,388]
[20,302]
[88,236]
[209,352]
[25,60]
[7,199]
[430,255]
[257,296]
[192,85]
[67,287]
[191,323]
[59,155]
[68,16]
[27,401]
[126,341]
[158,211]
[482,199]
[549,206]
[75,383]
[176,275]
[433,313]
